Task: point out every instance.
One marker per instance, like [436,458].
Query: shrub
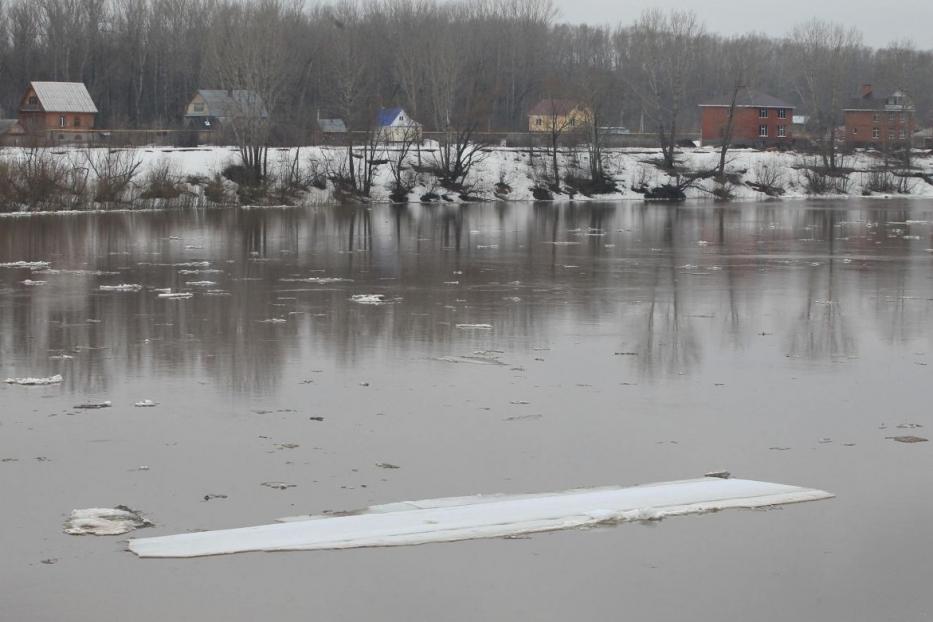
[160,182]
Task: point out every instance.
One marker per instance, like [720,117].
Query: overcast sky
[879,21]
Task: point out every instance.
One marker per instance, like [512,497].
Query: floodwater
[626,343]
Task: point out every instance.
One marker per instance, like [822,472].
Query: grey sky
[880,22]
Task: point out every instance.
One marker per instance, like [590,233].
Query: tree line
[490,60]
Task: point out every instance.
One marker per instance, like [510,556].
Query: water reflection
[671,287]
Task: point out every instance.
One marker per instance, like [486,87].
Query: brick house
[760,120]
[58,111]
[879,121]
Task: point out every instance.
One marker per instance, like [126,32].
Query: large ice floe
[482,516]
[35,381]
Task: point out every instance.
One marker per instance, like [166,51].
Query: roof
[332,126]
[226,103]
[64,97]
[559,107]
[895,102]
[747,98]
[387,115]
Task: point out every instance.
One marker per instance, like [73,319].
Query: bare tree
[825,58]
[664,48]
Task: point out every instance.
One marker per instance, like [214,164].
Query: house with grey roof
[211,108]
[58,111]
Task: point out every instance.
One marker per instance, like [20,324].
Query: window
[876,117]
[903,135]
[875,133]
[782,131]
[855,130]
[539,121]
[33,100]
[892,116]
[61,121]
[77,121]
[762,131]
[782,113]
[762,113]
[891,135]
[198,107]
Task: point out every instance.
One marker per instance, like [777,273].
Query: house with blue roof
[395,126]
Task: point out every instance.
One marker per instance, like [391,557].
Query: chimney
[866,91]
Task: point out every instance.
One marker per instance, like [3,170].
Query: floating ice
[321,280]
[474,326]
[122,287]
[273,320]
[35,381]
[31,283]
[368,299]
[93,405]
[34,265]
[145,404]
[176,295]
[465,518]
[200,283]
[104,521]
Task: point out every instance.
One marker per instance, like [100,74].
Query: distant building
[211,109]
[394,125]
[879,121]
[560,114]
[12,133]
[58,111]
[329,131]
[759,120]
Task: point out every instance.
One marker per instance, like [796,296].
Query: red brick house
[879,121]
[60,111]
[760,120]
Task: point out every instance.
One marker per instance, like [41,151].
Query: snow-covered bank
[502,173]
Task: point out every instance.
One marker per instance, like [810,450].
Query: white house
[394,125]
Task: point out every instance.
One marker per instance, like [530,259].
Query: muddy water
[623,344]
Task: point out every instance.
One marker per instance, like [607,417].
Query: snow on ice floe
[474,326]
[170,295]
[31,283]
[104,521]
[145,404]
[200,283]
[32,265]
[122,287]
[369,299]
[452,519]
[35,381]
[320,280]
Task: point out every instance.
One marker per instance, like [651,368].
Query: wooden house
[213,111]
[394,125]
[560,115]
[58,111]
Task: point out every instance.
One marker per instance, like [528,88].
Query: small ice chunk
[474,326]
[200,283]
[170,295]
[368,299]
[122,287]
[104,521]
[145,404]
[273,320]
[31,283]
[35,381]
[93,405]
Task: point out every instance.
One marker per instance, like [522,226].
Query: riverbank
[81,180]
